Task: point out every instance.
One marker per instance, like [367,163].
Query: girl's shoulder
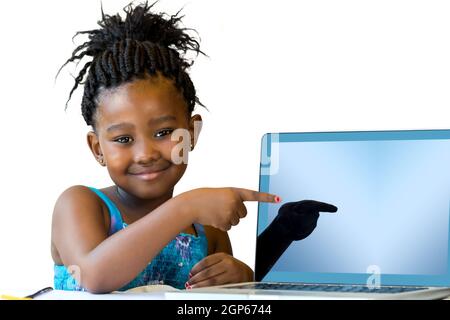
[82,202]
[78,223]
[78,194]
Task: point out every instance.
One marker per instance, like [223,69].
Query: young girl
[137,92]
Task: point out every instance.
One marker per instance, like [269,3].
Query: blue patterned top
[170,267]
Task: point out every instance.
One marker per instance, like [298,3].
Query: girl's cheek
[115,157]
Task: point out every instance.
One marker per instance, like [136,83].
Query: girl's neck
[136,204]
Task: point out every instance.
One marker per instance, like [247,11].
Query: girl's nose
[146,153]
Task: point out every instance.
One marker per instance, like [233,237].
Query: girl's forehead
[149,97]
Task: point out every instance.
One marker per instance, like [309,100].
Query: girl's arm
[219,267]
[107,263]
[218,240]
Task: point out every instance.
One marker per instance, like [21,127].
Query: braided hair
[142,44]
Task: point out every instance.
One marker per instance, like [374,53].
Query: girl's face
[134,123]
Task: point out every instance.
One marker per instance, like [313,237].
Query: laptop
[389,238]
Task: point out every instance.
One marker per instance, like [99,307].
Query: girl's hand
[221,207]
[217,269]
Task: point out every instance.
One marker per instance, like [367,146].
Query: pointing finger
[252,195]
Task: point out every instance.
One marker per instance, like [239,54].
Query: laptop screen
[392,191]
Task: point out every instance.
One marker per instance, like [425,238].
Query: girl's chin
[152,192]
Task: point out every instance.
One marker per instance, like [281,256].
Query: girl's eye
[163,133]
[123,140]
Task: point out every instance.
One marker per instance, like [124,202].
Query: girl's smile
[149,174]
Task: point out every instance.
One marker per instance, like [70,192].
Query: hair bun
[140,24]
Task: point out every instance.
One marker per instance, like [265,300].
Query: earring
[100,160]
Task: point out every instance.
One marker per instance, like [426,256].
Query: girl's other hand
[221,207]
[218,269]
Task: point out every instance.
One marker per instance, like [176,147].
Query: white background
[273,66]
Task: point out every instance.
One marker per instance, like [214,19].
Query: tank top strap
[116,223]
[202,239]
[199,229]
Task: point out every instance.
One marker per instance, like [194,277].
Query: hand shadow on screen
[294,221]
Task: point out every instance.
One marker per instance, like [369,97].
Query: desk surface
[164,295]
[158,295]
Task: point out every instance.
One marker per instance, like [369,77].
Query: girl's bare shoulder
[81,204]
[78,195]
[78,224]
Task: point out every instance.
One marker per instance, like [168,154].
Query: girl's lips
[150,175]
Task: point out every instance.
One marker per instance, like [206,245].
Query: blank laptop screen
[392,190]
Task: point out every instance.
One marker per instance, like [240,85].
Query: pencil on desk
[8,297]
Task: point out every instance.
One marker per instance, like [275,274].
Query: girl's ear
[195,126]
[96,150]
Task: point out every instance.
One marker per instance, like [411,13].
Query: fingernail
[186,285]
[277,199]
[190,275]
